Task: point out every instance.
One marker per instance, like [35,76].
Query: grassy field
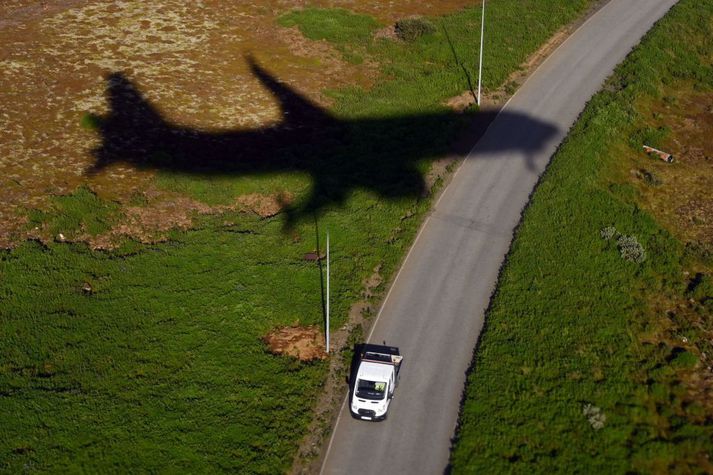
[597,358]
[149,357]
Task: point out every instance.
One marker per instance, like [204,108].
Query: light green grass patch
[81,212]
[335,25]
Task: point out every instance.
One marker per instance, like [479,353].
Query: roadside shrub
[410,29]
[594,415]
[608,232]
[630,249]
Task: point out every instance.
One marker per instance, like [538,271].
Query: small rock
[87,288]
[60,238]
[312,256]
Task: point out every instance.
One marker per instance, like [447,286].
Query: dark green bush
[410,29]
[701,287]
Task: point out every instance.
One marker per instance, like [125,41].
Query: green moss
[90,122]
[685,359]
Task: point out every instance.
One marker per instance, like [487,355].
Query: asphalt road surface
[434,310]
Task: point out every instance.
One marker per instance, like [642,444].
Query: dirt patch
[18,12]
[303,343]
[387,33]
[548,48]
[151,223]
[326,55]
[11,227]
[265,206]
[461,102]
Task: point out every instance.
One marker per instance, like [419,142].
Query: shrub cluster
[629,247]
[608,232]
[594,415]
[410,29]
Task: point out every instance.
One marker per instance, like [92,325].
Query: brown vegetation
[680,194]
[303,343]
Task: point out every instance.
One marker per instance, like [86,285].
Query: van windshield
[371,389]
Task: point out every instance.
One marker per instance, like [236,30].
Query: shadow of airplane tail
[128,128]
[135,132]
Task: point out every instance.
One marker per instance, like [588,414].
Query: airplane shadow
[381,154]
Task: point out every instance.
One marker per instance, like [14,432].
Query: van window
[371,389]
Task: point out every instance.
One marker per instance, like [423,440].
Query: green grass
[162,367]
[425,72]
[336,25]
[571,321]
[82,212]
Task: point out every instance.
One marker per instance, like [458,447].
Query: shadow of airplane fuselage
[378,154]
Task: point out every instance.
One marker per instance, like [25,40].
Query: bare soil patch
[265,206]
[303,343]
[387,33]
[462,101]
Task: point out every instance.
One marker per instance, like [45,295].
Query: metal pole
[327,292]
[480,67]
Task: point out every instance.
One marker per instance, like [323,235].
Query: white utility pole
[480,67]
[327,332]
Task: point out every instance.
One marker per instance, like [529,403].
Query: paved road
[434,311]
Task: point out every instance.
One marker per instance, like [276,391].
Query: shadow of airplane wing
[386,155]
